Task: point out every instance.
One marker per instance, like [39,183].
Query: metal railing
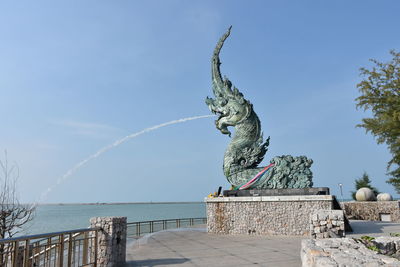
[68,248]
[137,229]
[74,248]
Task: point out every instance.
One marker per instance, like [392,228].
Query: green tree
[363,181]
[380,93]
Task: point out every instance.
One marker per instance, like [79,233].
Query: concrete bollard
[111,240]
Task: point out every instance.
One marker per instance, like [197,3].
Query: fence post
[19,260]
[26,253]
[85,248]
[111,240]
[61,251]
[70,248]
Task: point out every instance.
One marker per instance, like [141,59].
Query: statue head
[229,104]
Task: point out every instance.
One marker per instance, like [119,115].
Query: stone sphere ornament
[384,197]
[365,194]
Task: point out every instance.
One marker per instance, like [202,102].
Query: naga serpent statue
[247,148]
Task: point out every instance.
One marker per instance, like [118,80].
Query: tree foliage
[363,181]
[380,93]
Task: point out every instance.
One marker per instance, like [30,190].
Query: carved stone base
[277,192]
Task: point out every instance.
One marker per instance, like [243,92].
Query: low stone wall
[372,210]
[327,223]
[348,252]
[267,215]
[111,240]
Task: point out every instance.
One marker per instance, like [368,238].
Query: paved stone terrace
[371,228]
[194,247]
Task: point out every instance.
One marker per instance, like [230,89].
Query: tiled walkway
[194,247]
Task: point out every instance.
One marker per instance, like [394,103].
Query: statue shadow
[155,262]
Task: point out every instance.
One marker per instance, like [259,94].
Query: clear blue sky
[77,75]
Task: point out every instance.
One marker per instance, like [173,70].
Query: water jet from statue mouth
[113,145]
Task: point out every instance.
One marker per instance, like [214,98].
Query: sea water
[60,217]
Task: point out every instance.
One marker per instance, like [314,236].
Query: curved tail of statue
[247,147]
[217,81]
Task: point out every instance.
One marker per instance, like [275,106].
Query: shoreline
[119,203]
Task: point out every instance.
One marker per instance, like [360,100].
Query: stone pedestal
[266,215]
[111,240]
[277,192]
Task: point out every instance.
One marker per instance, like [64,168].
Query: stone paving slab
[195,247]
[372,228]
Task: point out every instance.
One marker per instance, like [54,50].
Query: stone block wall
[349,252]
[267,215]
[111,241]
[372,210]
[327,223]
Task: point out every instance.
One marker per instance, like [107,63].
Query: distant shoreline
[119,203]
